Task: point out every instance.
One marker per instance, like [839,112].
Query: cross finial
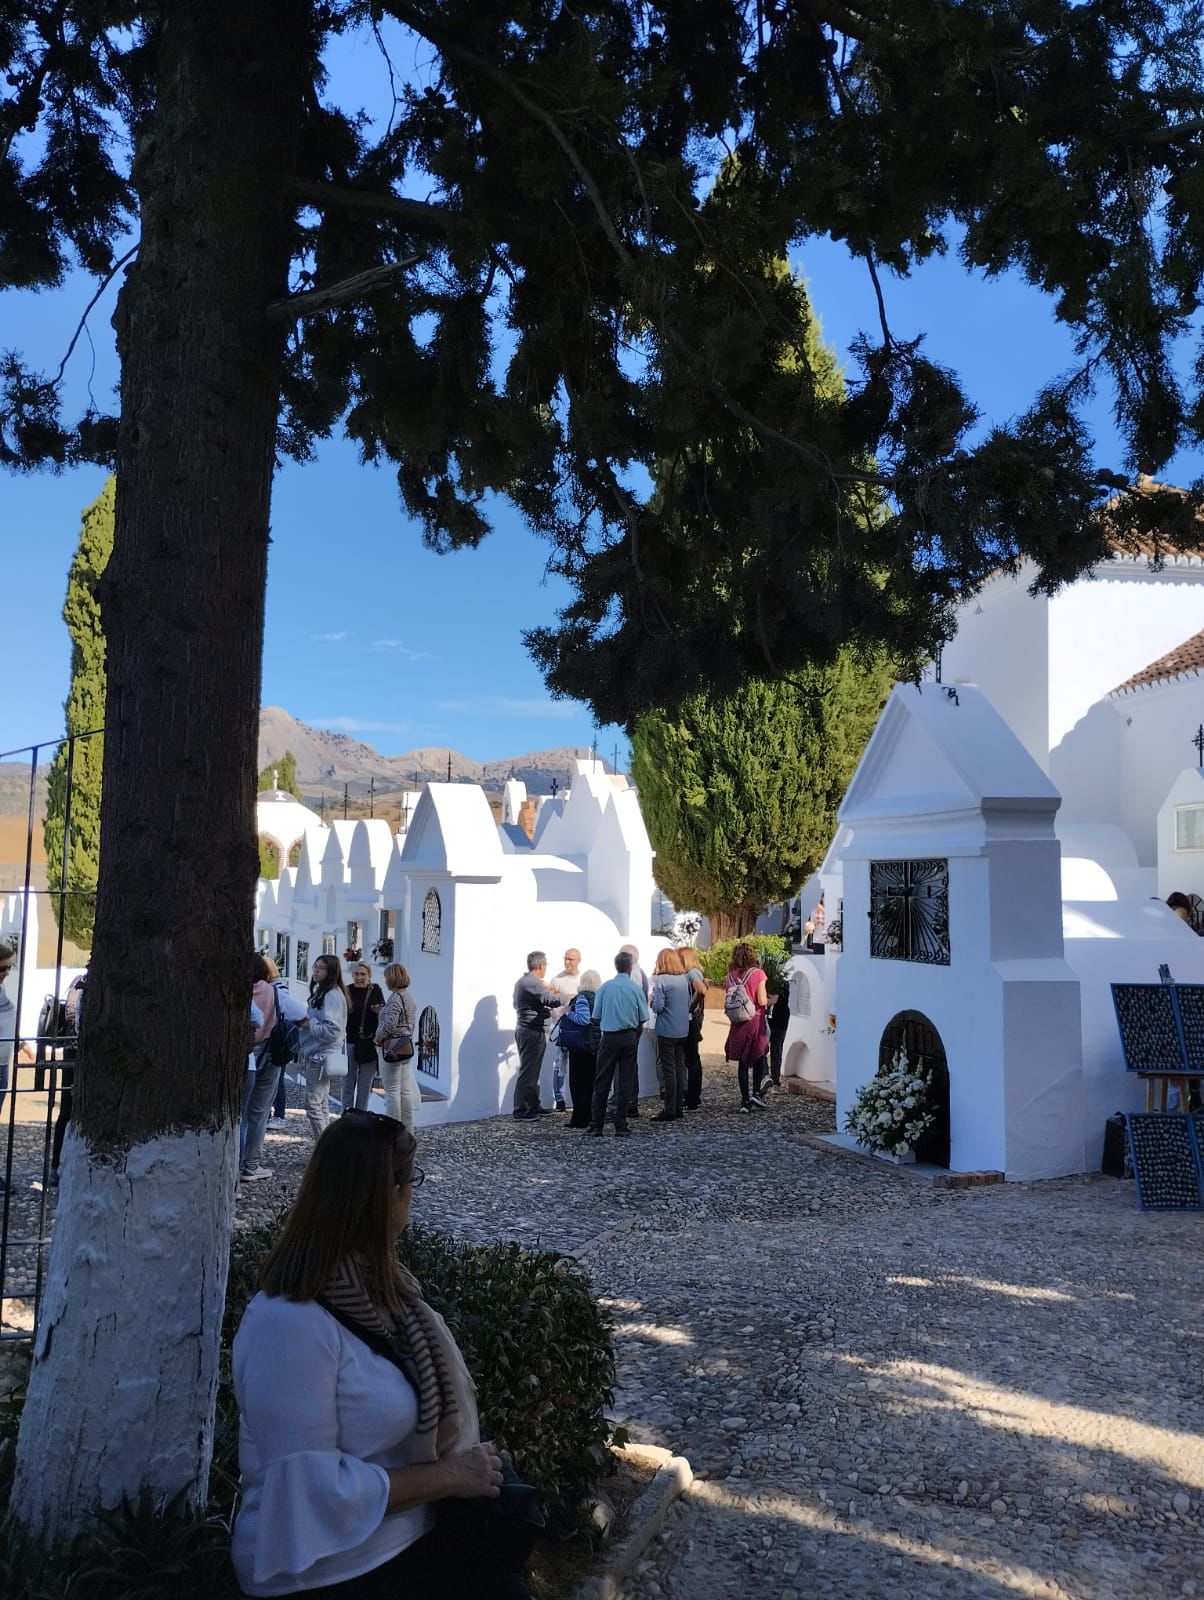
[555,786]
[1198,741]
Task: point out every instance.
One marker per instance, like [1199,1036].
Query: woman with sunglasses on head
[323,1039]
[356,1411]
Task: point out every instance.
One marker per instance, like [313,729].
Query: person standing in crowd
[276,1004]
[534,1002]
[365,1002]
[670,1005]
[579,1034]
[396,1027]
[72,1008]
[323,1040]
[779,1022]
[691,964]
[747,1034]
[8,1033]
[566,983]
[356,1413]
[817,935]
[621,1012]
[638,976]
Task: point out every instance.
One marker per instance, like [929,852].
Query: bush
[773,953]
[537,1343]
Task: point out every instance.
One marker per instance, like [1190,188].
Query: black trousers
[434,1567]
[616,1059]
[776,1041]
[693,1068]
[583,1067]
[671,1057]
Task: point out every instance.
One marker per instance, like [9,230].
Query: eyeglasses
[414,1180]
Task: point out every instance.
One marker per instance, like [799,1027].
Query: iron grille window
[303,958]
[432,923]
[427,1058]
[909,911]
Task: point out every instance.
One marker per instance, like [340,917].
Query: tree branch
[418,212]
[1170,135]
[82,324]
[337,294]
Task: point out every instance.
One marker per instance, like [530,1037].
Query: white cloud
[402,649]
[508,706]
[329,638]
[356,725]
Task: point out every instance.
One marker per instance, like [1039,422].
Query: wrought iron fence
[36,1105]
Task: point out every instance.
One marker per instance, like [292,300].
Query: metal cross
[1198,741]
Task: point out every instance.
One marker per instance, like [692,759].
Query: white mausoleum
[1048,793]
[459,901]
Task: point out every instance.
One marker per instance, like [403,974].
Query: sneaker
[756,1100]
[275,1124]
[543,1111]
[560,1106]
[593,1133]
[622,1133]
[255,1174]
[745,1108]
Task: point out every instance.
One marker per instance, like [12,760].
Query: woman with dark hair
[365,1002]
[356,1411]
[323,1040]
[744,1001]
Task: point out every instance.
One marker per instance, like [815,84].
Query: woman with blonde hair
[395,1036]
[670,1005]
[691,965]
[357,1414]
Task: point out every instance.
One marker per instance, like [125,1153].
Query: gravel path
[886,1389]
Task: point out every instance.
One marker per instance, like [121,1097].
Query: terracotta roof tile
[1184,658]
[1136,544]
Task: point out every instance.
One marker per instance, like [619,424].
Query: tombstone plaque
[1149,1029]
[1166,1161]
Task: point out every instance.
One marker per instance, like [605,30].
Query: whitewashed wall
[1002,646]
[1179,869]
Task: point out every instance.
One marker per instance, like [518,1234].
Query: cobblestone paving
[885,1389]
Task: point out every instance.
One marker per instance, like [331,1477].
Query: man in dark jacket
[534,1002]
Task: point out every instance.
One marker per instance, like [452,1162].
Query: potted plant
[894,1110]
[382,951]
[351,953]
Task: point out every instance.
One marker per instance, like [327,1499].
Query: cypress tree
[281,775]
[84,708]
[739,793]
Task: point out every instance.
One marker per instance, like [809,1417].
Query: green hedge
[537,1343]
[773,953]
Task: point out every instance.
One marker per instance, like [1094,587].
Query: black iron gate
[35,1088]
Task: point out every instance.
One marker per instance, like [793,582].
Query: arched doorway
[914,1033]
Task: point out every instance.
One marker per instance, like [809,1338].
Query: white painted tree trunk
[133,1309]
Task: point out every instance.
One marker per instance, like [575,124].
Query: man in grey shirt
[534,1001]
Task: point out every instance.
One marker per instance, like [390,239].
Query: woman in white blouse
[356,1411]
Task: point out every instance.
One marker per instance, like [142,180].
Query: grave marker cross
[1198,741]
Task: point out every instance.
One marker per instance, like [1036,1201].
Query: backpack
[738,1004]
[574,1028]
[284,1040]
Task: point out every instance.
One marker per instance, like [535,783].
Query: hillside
[326,761]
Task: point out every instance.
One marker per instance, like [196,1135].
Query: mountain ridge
[327,760]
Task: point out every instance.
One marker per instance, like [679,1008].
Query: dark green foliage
[269,859]
[281,775]
[562,329]
[773,954]
[740,792]
[85,710]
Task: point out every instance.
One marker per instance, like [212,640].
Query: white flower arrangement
[893,1110]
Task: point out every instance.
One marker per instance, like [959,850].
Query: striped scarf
[422,1346]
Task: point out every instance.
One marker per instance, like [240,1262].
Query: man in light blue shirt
[621,1012]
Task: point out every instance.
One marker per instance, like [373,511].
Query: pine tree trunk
[736,923]
[122,1390]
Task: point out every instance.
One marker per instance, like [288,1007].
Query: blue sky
[405,648]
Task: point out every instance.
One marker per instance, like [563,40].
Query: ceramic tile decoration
[1166,1162]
